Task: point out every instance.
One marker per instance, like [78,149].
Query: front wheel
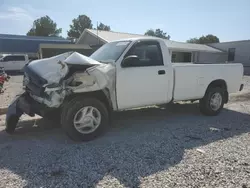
[213,101]
[84,119]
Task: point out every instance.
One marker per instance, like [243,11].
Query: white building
[180,51]
[237,51]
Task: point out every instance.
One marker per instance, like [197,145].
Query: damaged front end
[47,82]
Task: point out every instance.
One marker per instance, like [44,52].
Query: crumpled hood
[50,80]
[55,68]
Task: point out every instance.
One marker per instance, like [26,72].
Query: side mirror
[130,61]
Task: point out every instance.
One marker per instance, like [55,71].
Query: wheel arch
[221,84]
[102,95]
[75,102]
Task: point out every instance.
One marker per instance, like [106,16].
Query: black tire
[11,124]
[55,117]
[205,106]
[71,108]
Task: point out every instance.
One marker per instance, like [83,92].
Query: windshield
[110,52]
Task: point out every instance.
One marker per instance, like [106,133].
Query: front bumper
[24,104]
[21,104]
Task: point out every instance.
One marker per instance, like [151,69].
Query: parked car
[13,62]
[83,91]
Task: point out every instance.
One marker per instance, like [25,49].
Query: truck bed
[191,80]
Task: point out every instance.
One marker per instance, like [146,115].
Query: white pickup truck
[83,91]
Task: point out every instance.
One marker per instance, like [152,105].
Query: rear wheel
[84,119]
[213,101]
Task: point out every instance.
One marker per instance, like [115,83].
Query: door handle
[161,72]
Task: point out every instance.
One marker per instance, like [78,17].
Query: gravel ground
[12,87]
[150,147]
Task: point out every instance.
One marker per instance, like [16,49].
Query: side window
[19,58]
[7,58]
[14,58]
[149,53]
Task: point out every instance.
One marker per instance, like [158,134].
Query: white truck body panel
[138,86]
[192,80]
[142,86]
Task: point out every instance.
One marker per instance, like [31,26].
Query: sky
[181,19]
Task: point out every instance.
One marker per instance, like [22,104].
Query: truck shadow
[140,143]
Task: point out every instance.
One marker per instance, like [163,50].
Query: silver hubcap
[87,120]
[215,101]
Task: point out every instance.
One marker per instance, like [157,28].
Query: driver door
[146,82]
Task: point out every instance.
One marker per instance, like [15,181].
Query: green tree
[44,26]
[103,27]
[157,33]
[204,39]
[193,40]
[78,25]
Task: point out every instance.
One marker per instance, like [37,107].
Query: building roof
[182,46]
[108,36]
[235,41]
[24,37]
[65,46]
[26,44]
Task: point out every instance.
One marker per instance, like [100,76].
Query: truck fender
[219,83]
